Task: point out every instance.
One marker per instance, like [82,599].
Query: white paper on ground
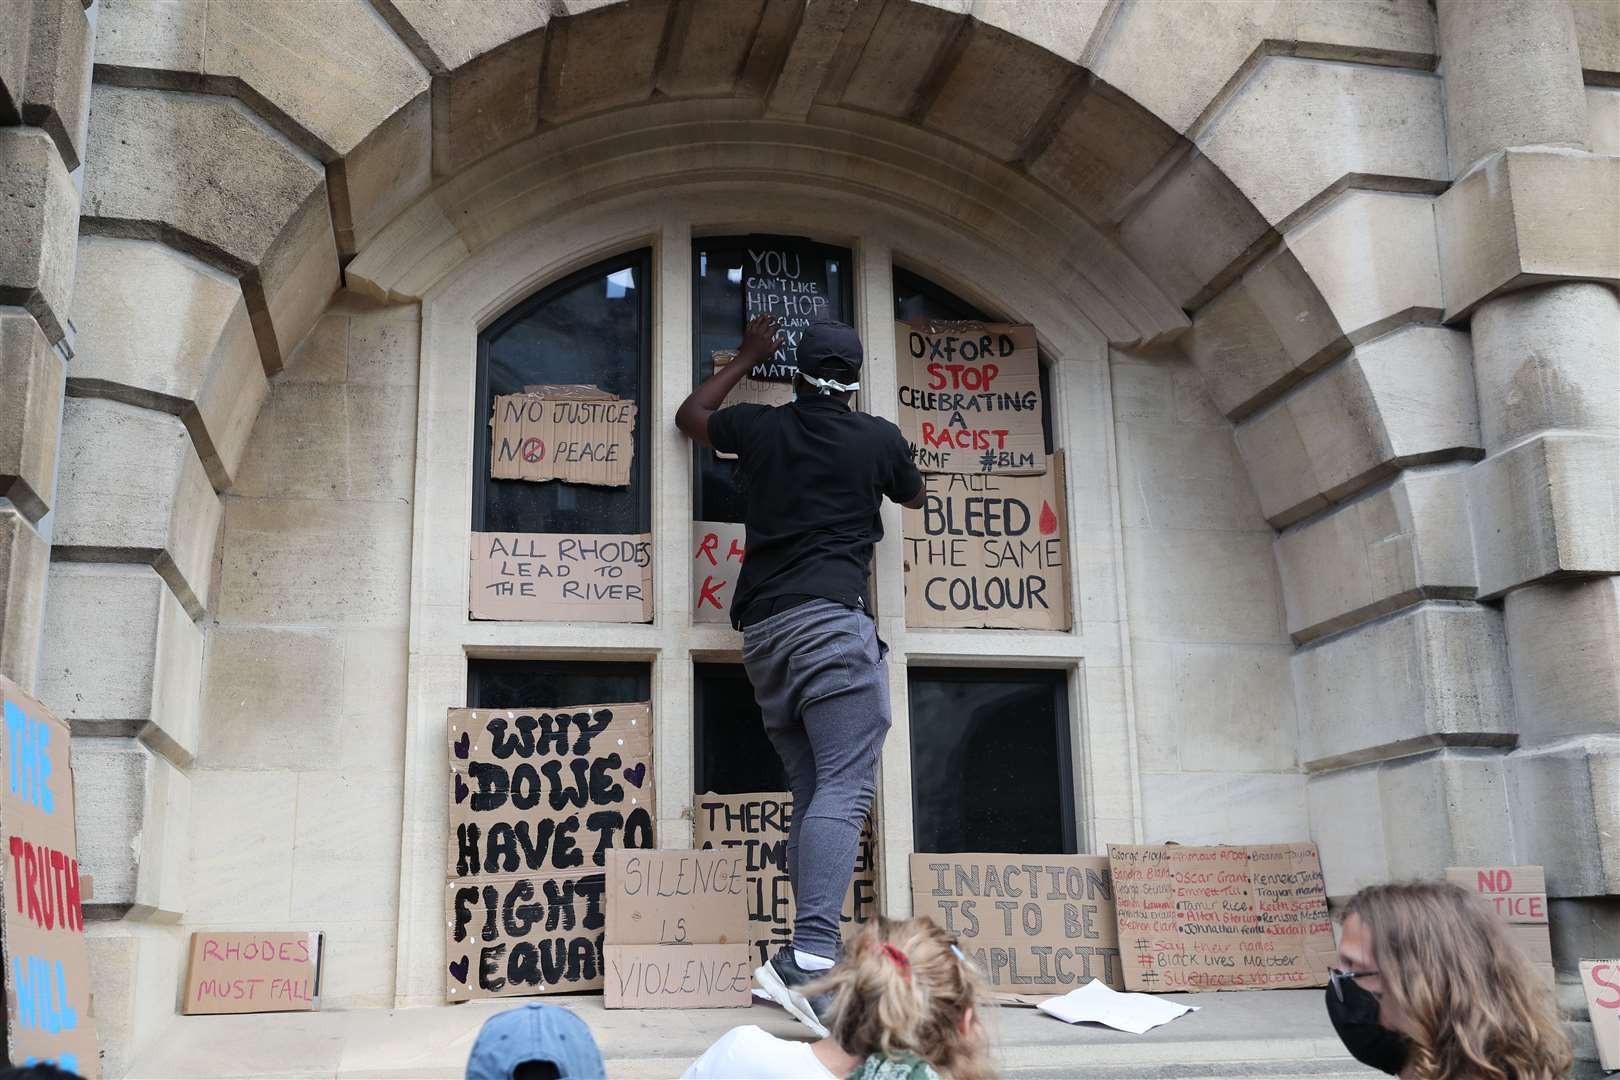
[1098,1002]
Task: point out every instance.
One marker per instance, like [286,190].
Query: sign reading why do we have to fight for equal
[578,434]
[47,965]
[538,798]
[583,577]
[1221,918]
[970,397]
[989,551]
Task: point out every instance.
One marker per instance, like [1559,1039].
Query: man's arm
[917,503]
[759,342]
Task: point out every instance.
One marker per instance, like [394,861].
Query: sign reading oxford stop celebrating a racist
[970,397]
[538,798]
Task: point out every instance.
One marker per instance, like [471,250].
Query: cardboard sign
[575,436]
[750,391]
[1518,893]
[757,824]
[1221,918]
[538,798]
[717,557]
[970,397]
[791,285]
[235,972]
[562,577]
[1601,981]
[677,930]
[989,551]
[1033,924]
[47,966]
[678,977]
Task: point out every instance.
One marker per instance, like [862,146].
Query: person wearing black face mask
[1430,987]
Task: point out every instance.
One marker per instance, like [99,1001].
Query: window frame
[702,671]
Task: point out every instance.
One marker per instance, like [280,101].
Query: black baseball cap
[830,350]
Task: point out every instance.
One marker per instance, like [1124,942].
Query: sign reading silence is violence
[47,967]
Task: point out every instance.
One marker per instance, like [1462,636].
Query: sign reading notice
[567,577]
[717,556]
[1519,895]
[780,280]
[47,966]
[572,437]
[1035,924]
[970,397]
[1601,981]
[234,972]
[756,825]
[538,798]
[677,930]
[1221,918]
[989,551]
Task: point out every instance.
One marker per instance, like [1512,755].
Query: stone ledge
[133,812]
[56,89]
[1564,643]
[37,229]
[1563,798]
[30,414]
[24,555]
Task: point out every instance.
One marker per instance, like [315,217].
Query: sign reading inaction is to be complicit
[970,397]
[538,798]
[47,966]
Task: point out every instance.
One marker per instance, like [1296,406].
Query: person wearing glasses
[1429,987]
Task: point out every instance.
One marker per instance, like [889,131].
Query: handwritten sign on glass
[717,557]
[781,280]
[970,397]
[571,437]
[572,577]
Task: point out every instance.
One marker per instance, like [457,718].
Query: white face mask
[828,386]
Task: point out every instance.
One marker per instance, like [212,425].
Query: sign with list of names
[574,436]
[538,800]
[970,397]
[1221,918]
[561,577]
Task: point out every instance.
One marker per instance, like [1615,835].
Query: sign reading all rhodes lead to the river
[970,397]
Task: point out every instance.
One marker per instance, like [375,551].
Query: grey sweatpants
[822,682]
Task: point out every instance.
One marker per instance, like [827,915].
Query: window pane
[990,761]
[720,266]
[734,755]
[589,328]
[555,684]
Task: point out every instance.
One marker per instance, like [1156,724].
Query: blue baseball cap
[535,1032]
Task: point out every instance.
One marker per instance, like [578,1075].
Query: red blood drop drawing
[1048,519]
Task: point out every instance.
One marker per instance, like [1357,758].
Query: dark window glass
[592,327]
[918,298]
[555,684]
[720,266]
[990,767]
[734,755]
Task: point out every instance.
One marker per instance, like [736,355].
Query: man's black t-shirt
[814,473]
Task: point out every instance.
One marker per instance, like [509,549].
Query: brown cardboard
[790,285]
[42,947]
[717,556]
[567,577]
[757,824]
[989,551]
[1601,981]
[1035,925]
[1532,940]
[247,972]
[970,397]
[677,897]
[750,391]
[525,904]
[1221,918]
[678,976]
[577,436]
[1517,893]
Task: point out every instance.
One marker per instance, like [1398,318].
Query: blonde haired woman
[1432,989]
[906,1005]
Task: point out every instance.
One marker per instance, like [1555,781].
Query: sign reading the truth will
[538,798]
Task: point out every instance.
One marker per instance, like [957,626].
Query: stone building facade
[1325,292]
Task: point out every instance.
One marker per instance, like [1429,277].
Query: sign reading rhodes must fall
[47,966]
[538,798]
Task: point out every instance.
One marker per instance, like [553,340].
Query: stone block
[1400,400]
[38,229]
[326,441]
[137,971]
[155,35]
[445,34]
[388,171]
[709,43]
[384,347]
[296,282]
[122,657]
[1510,80]
[57,85]
[241,846]
[273,698]
[24,555]
[1101,150]
[1347,826]
[333,877]
[164,331]
[1432,675]
[1566,799]
[1446,809]
[230,186]
[490,102]
[1300,128]
[1603,120]
[1528,216]
[1564,645]
[1176,476]
[1548,358]
[904,45]
[30,414]
[1396,546]
[1399,33]
[621,38]
[1214,708]
[133,814]
[1223,808]
[1064,28]
[1597,35]
[998,92]
[1548,508]
[13,67]
[134,490]
[1197,585]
